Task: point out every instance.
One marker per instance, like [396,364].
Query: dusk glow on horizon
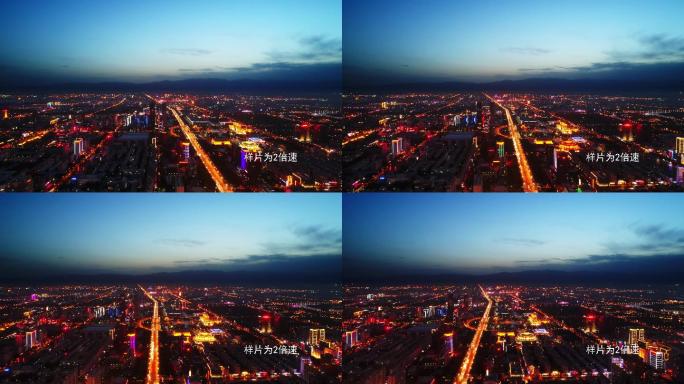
[150,233]
[83,41]
[480,41]
[490,233]
[342,191]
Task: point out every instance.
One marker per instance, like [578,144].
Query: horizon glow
[508,232]
[149,233]
[482,41]
[78,40]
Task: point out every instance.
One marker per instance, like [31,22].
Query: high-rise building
[636,335]
[316,335]
[303,362]
[429,312]
[449,343]
[265,321]
[656,358]
[397,146]
[679,145]
[484,119]
[555,158]
[351,338]
[186,151]
[126,119]
[113,311]
[78,147]
[5,114]
[243,159]
[500,148]
[131,342]
[305,132]
[680,173]
[31,339]
[98,311]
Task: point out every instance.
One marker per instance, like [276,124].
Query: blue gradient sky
[145,233]
[485,40]
[487,233]
[129,40]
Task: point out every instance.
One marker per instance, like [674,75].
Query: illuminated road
[215,174]
[469,358]
[221,184]
[153,362]
[528,180]
[107,108]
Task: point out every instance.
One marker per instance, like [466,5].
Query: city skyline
[47,235]
[395,42]
[342,191]
[77,41]
[433,234]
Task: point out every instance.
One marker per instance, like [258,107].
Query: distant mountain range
[595,269]
[190,277]
[204,85]
[216,85]
[334,276]
[537,277]
[527,85]
[542,277]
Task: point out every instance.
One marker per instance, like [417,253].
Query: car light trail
[528,180]
[215,174]
[153,362]
[469,358]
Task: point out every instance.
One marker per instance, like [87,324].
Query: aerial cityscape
[157,108]
[598,109]
[341,258]
[169,142]
[171,290]
[512,334]
[501,288]
[504,142]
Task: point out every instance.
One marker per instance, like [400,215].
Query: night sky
[391,41]
[45,234]
[399,234]
[49,42]
[383,235]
